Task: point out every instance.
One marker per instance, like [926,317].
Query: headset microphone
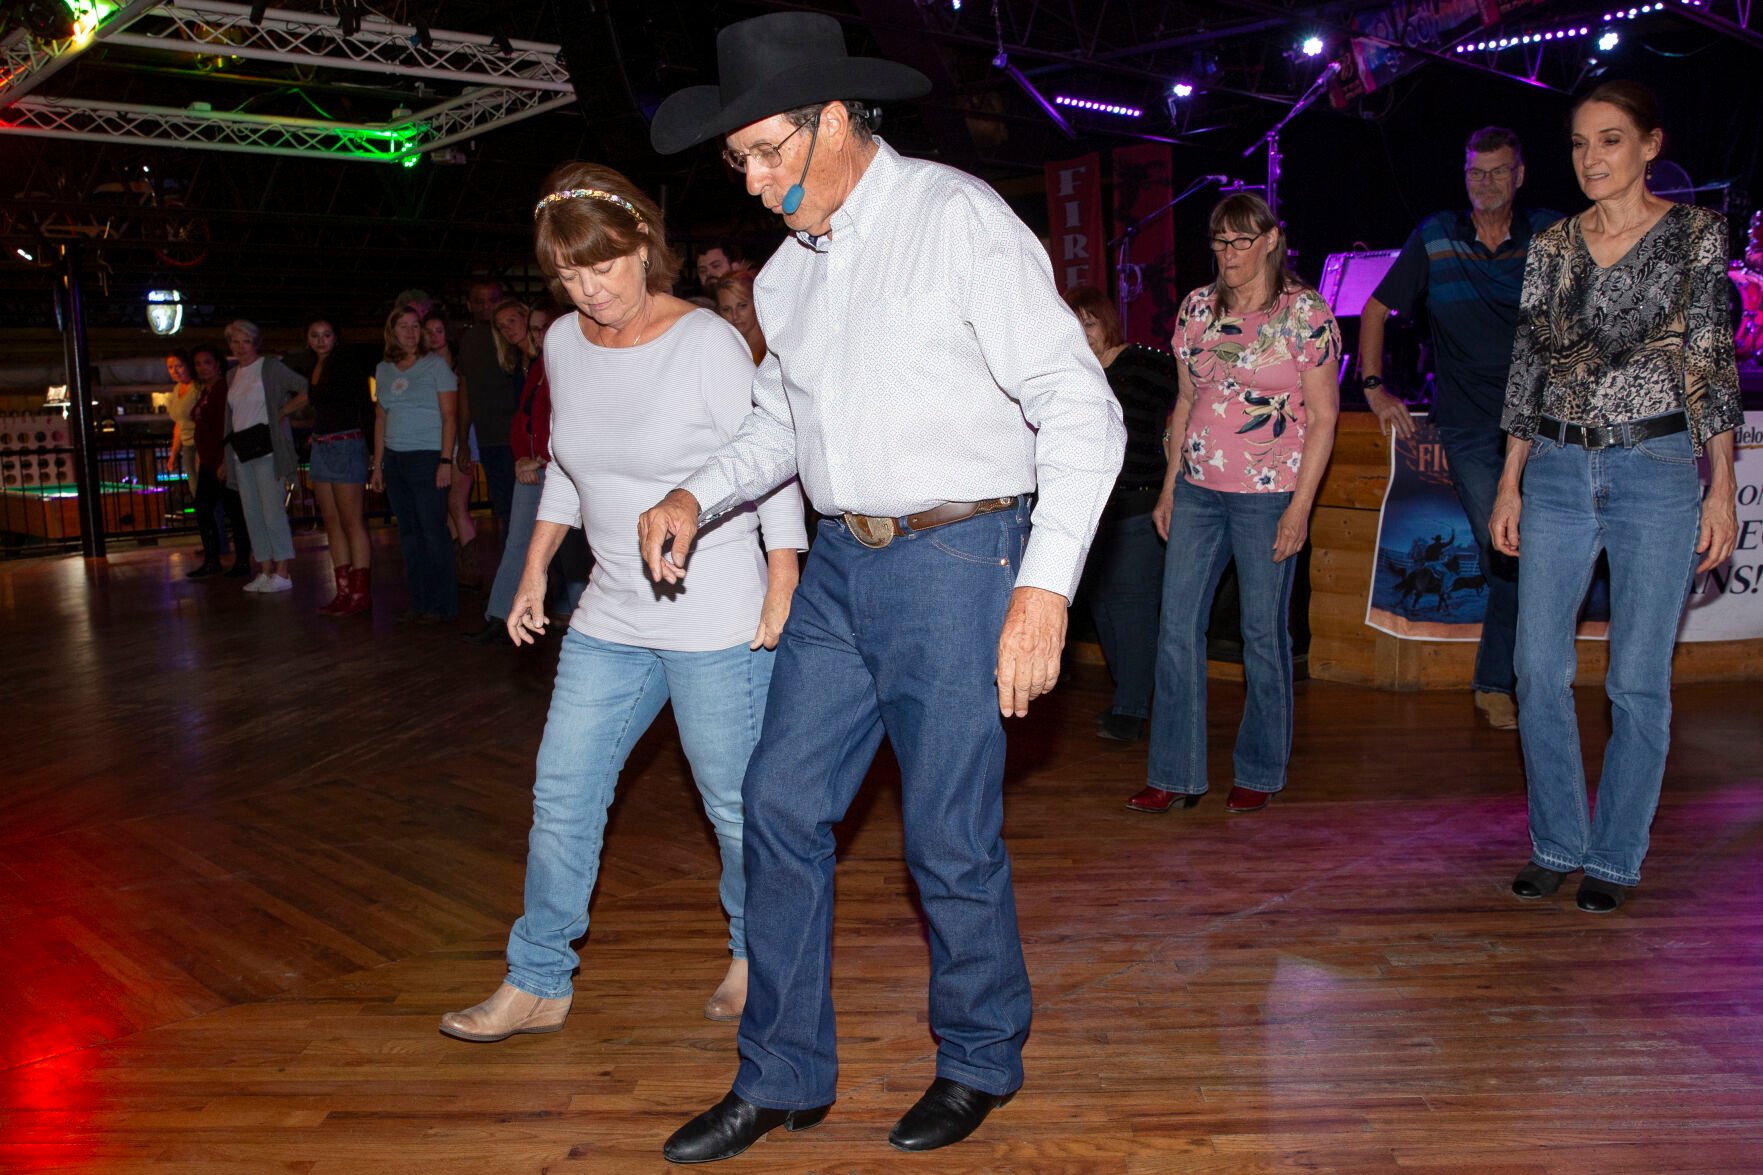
[793,197]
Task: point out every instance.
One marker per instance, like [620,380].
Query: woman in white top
[644,386]
[262,392]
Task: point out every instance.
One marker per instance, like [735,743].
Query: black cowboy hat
[771,64]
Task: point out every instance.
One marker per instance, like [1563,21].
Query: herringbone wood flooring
[250,856]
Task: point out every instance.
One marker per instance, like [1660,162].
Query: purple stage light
[1098,107]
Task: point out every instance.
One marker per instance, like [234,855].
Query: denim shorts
[340,462]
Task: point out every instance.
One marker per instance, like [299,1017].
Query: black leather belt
[1603,436]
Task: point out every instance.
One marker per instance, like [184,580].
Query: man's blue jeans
[1476,457]
[1642,506]
[901,640]
[605,698]
[1207,529]
[1125,589]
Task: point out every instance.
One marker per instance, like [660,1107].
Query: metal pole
[79,395]
[1273,169]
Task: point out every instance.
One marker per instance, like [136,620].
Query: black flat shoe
[493,632]
[1597,896]
[948,1112]
[208,567]
[1534,881]
[239,570]
[731,1126]
[1120,728]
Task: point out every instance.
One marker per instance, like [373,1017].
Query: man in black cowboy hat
[924,378]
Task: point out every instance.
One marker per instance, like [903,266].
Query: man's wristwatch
[1368,382]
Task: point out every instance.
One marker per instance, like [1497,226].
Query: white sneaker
[260,584]
[279,583]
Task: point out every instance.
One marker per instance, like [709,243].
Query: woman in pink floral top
[1252,430]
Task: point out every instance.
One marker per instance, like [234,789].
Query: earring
[645,263]
[1649,171]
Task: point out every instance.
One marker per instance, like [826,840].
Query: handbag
[251,443]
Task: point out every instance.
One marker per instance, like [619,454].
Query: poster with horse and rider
[1429,582]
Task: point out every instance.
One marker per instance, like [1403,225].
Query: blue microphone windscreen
[792,199]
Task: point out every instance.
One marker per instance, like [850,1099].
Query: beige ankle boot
[506,1013]
[730,997]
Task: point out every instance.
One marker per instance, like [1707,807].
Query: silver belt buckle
[861,524]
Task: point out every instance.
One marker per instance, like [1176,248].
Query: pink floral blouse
[1246,432]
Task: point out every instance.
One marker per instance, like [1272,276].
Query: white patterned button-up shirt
[919,354]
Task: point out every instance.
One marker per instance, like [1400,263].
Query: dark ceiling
[273,238]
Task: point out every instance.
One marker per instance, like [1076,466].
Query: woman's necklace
[645,314]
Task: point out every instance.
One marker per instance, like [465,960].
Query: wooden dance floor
[250,855]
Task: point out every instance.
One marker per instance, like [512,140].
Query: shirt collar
[864,203]
[1517,235]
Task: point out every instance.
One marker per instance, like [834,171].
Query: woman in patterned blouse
[1622,374]
[1254,419]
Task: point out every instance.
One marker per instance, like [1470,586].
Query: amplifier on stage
[1349,279]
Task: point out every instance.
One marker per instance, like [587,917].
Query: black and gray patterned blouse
[1646,335]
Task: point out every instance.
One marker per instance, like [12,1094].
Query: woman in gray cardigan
[262,392]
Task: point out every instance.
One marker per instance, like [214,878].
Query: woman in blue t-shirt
[415,417]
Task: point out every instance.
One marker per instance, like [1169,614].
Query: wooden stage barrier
[1343,535]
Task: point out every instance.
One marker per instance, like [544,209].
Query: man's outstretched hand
[674,517]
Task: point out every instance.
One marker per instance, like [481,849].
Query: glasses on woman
[1220,244]
[768,156]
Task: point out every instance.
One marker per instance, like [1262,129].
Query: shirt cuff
[1052,562]
[713,490]
[785,538]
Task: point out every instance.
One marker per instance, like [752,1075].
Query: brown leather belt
[877,530]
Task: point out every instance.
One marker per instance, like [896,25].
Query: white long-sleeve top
[627,425]
[917,354]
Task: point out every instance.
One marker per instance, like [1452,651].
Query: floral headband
[587,194]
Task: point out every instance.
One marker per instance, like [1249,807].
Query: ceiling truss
[505,81]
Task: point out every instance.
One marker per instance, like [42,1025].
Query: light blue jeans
[266,513]
[1642,506]
[523,514]
[1208,528]
[605,698]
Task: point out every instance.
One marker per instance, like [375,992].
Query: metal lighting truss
[26,62]
[508,82]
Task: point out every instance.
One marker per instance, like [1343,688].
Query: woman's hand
[1720,528]
[772,615]
[526,470]
[1161,513]
[1294,528]
[1503,522]
[376,479]
[443,476]
[526,616]
[171,462]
